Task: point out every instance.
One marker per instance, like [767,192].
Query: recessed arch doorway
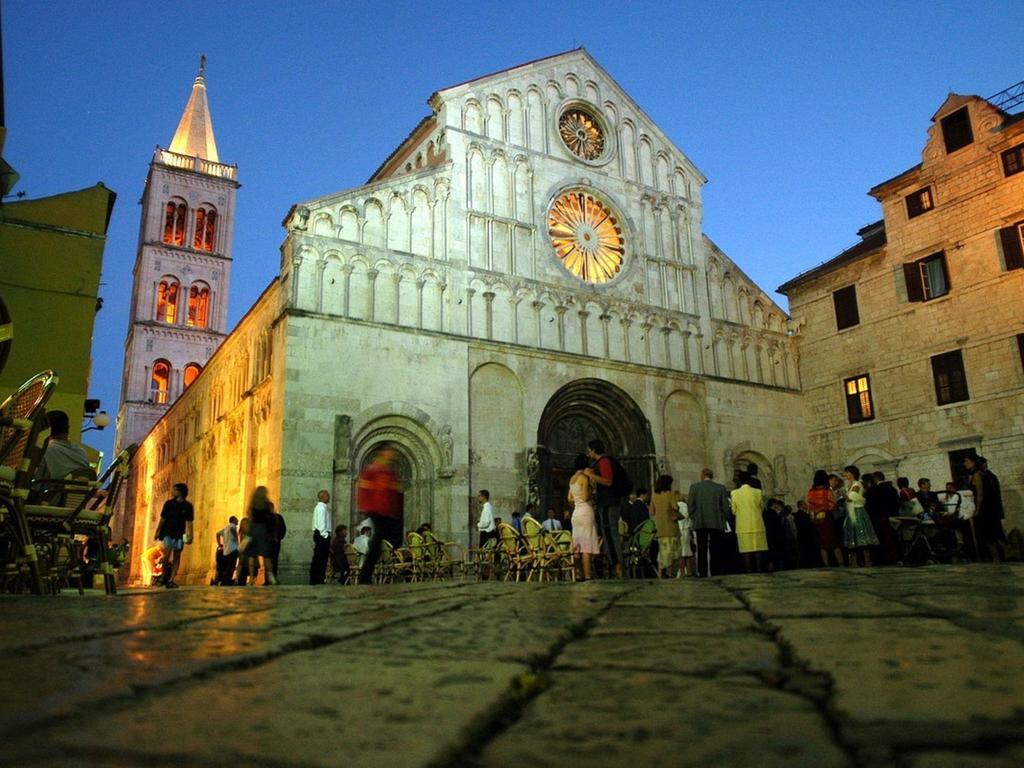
[579,412]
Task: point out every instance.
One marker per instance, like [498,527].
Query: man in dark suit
[708,502]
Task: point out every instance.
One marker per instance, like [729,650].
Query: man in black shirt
[174,531]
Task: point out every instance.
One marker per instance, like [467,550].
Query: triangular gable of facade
[582,57]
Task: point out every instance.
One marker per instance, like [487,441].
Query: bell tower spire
[179,311]
[194,136]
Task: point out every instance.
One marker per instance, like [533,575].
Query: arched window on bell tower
[190,374]
[175,214]
[199,305]
[160,382]
[206,228]
[167,297]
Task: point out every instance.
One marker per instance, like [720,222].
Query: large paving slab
[832,667]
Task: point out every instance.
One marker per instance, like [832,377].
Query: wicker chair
[85,510]
[23,434]
[449,556]
[519,560]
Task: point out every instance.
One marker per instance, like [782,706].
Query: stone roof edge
[867,245]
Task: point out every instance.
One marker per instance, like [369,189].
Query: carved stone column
[489,313]
[372,298]
[583,315]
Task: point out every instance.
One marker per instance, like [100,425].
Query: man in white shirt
[321,539]
[485,524]
[552,523]
[227,552]
[362,542]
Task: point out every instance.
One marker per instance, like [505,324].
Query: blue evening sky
[792,110]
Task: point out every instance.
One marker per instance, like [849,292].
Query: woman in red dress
[821,505]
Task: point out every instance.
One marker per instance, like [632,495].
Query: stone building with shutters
[912,341]
[526,271]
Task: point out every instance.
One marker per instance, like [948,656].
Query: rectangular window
[950,380]
[1013,160]
[1012,239]
[1020,348]
[957,472]
[919,202]
[845,301]
[956,130]
[927,278]
[858,399]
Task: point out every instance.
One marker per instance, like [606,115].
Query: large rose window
[586,236]
[581,133]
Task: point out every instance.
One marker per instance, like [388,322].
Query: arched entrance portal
[578,413]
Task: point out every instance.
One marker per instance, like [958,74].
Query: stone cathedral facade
[526,271]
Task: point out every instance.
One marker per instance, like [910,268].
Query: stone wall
[220,438]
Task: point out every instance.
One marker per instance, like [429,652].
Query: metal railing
[1010,100]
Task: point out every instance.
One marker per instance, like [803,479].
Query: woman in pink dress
[584,526]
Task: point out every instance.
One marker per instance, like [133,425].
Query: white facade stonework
[427,310]
[901,329]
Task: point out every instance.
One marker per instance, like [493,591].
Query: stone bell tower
[182,270]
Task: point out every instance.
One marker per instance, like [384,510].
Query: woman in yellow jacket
[747,504]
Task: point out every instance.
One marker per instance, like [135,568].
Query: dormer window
[956,130]
[919,202]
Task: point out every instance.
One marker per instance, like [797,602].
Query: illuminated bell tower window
[167,300]
[206,228]
[160,382]
[586,236]
[190,374]
[174,222]
[198,305]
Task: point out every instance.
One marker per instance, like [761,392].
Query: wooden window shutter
[912,274]
[1013,253]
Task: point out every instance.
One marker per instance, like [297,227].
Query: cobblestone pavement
[902,667]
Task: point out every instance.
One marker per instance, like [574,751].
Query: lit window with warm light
[190,374]
[160,382]
[859,406]
[198,305]
[206,228]
[174,222]
[167,293]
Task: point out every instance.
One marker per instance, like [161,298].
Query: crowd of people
[844,519]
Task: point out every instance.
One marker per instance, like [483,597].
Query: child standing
[685,539]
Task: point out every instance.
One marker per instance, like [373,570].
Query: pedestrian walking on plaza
[612,487]
[321,539]
[584,523]
[379,497]
[665,511]
[486,525]
[174,531]
[261,519]
[821,506]
[858,533]
[227,552]
[989,512]
[751,538]
[709,513]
